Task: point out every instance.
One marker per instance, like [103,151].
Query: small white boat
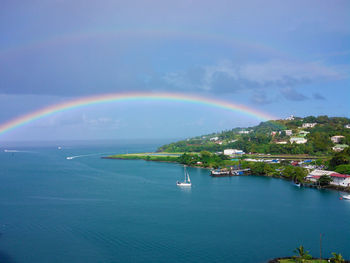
[187,181]
[346,197]
[297,184]
[70,157]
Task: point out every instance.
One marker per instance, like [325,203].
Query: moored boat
[346,197]
[187,181]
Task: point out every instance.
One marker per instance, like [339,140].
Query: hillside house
[347,126]
[281,142]
[339,147]
[244,132]
[290,118]
[288,132]
[214,139]
[309,125]
[298,140]
[337,138]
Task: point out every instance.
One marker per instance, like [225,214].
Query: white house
[281,142]
[288,132]
[347,126]
[340,179]
[232,152]
[337,138]
[298,140]
[309,125]
[290,118]
[244,132]
[316,174]
[214,138]
[339,147]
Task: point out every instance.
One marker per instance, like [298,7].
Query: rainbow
[135,96]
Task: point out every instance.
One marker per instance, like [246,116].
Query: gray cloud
[318,96]
[292,94]
[225,77]
[260,97]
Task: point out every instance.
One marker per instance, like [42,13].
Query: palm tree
[337,258]
[303,255]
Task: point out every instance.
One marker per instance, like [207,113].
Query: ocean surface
[89,209]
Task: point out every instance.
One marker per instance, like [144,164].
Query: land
[314,150]
[159,157]
[291,260]
[317,136]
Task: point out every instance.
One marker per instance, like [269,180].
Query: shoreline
[278,260]
[165,158]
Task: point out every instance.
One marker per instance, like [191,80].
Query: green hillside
[274,137]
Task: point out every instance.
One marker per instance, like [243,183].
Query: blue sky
[280,57]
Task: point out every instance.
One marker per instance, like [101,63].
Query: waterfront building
[340,179]
[233,152]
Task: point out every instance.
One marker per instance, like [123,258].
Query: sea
[89,209]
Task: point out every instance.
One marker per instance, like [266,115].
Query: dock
[229,172]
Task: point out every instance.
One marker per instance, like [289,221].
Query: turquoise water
[90,209]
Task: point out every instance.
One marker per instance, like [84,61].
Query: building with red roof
[340,179]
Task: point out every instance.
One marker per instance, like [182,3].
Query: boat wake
[84,155]
[16,151]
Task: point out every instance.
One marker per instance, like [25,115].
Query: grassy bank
[158,157]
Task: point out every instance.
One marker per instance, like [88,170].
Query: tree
[343,169]
[303,255]
[337,258]
[324,180]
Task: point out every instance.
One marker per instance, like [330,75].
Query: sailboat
[187,181]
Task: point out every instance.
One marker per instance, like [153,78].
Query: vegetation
[146,157]
[267,136]
[343,169]
[337,258]
[324,180]
[340,158]
[304,256]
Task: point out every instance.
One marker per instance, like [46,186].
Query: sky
[277,57]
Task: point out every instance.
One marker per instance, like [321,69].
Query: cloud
[261,98]
[292,94]
[318,96]
[225,77]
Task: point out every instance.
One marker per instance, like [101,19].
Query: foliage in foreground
[303,256]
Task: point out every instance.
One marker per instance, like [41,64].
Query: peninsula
[312,151]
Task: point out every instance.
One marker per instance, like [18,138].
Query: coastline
[171,158]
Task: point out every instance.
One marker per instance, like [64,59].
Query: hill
[320,135]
